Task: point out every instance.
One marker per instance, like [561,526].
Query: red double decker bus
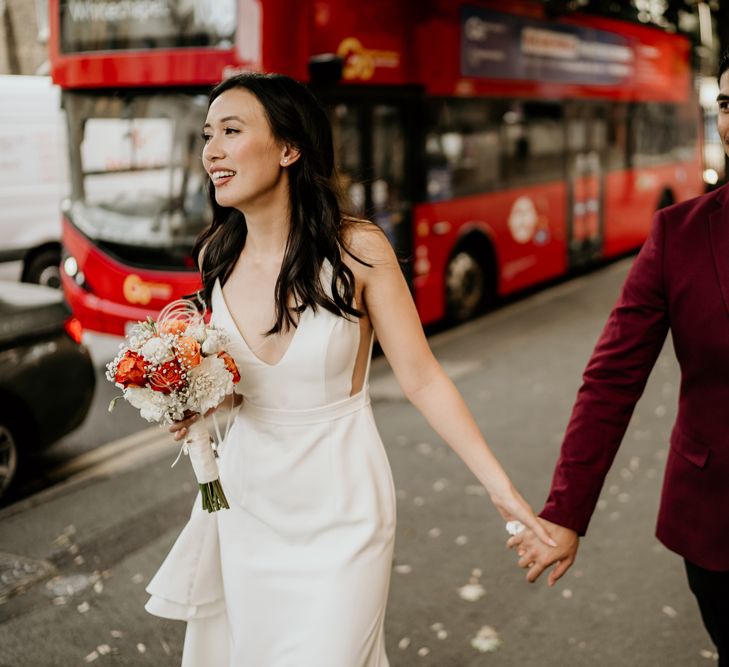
[495,147]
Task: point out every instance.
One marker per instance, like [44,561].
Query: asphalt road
[456,598]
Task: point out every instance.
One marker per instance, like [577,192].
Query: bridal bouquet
[172,367]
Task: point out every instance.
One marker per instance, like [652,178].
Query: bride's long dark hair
[317,223]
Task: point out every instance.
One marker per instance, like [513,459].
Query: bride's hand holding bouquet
[176,370]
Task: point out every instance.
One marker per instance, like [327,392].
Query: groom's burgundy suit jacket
[679,281]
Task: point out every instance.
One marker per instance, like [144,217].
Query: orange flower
[167,378]
[230,366]
[176,327]
[188,352]
[130,371]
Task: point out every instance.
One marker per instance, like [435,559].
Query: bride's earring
[285,160]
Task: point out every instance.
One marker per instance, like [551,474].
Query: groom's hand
[536,556]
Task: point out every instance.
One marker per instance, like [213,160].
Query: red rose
[167,378]
[130,371]
[230,366]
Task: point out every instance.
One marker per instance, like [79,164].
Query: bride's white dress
[296,572]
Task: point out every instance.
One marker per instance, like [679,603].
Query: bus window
[462,149]
[389,204]
[346,131]
[616,148]
[532,143]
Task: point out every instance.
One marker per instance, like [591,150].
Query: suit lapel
[719,231]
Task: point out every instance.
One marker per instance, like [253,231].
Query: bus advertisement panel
[496,148]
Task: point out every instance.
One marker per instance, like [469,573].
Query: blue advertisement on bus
[506,46]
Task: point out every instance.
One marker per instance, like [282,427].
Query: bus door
[373,142]
[586,131]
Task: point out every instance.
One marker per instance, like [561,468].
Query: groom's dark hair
[723,64]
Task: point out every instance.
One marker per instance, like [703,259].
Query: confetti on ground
[442,634]
[439,485]
[98,587]
[424,448]
[117,634]
[601,504]
[437,627]
[461,540]
[486,640]
[137,579]
[475,490]
[91,656]
[403,569]
[566,593]
[434,532]
[403,643]
[103,649]
[476,572]
[79,560]
[626,474]
[83,607]
[58,601]
[660,411]
[634,463]
[419,501]
[165,647]
[141,648]
[73,549]
[472,592]
[62,541]
[709,655]
[669,611]
[423,651]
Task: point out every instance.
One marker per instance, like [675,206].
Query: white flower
[209,383]
[214,342]
[139,334]
[156,351]
[196,331]
[153,405]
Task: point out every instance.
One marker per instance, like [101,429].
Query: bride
[296,572]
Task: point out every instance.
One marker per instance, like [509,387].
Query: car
[47,378]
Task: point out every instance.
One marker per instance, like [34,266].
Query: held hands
[536,557]
[513,507]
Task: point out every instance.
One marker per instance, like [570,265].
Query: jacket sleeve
[613,382]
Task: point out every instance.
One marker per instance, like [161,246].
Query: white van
[33,175]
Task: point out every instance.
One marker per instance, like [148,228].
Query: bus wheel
[466,285]
[9,454]
[44,268]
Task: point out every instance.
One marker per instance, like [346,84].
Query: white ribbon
[198,447]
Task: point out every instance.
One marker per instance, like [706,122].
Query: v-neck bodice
[315,370]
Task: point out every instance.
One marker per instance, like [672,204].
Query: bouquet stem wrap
[202,457]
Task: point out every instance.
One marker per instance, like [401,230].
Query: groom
[679,281]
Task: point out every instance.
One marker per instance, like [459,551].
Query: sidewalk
[82,553]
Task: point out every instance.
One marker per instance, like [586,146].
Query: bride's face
[241,155]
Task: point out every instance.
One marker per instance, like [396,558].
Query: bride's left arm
[396,322]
